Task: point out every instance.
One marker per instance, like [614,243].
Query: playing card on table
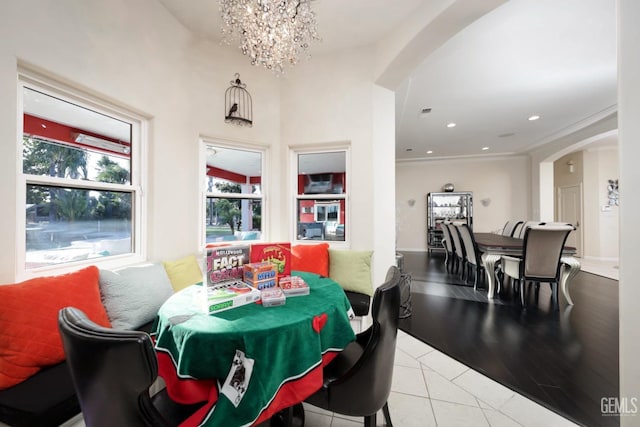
[237,382]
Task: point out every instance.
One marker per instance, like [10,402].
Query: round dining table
[248,363]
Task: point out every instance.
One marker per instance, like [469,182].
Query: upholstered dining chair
[540,262]
[520,230]
[510,227]
[112,371]
[458,259]
[358,381]
[473,257]
[447,242]
[517,229]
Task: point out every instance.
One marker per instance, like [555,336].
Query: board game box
[261,275]
[276,253]
[263,284]
[225,263]
[293,286]
[228,294]
[257,271]
[273,297]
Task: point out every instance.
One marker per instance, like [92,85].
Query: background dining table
[249,362]
[493,246]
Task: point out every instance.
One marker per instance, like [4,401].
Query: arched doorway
[573,188]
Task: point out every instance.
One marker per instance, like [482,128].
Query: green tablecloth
[286,344]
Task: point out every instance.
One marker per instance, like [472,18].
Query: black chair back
[112,371]
[358,380]
[379,354]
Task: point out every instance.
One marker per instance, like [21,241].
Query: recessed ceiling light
[451,125]
[485,148]
[534,117]
[430,152]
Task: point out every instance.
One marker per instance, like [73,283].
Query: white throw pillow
[133,295]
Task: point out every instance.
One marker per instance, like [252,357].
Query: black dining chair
[358,381]
[541,258]
[112,371]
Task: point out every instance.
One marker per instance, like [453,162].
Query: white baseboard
[411,250]
[602,259]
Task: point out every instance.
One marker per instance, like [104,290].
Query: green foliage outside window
[41,157]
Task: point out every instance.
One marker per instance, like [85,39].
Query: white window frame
[294,152]
[206,141]
[139,137]
[326,213]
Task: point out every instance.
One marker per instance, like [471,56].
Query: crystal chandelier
[272,32]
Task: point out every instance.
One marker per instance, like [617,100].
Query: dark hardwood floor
[563,357]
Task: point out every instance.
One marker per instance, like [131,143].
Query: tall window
[81,196]
[234,197]
[321,196]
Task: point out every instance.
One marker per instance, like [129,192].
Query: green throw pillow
[351,269]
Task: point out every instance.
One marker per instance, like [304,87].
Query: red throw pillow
[29,337]
[311,258]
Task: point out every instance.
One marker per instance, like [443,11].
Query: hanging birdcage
[237,104]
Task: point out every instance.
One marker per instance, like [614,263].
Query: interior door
[570,210]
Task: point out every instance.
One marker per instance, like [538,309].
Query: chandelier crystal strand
[271,32]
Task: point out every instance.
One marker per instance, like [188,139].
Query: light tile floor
[430,389]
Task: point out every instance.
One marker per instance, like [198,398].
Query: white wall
[384,182]
[608,168]
[333,99]
[593,167]
[629,111]
[601,225]
[503,181]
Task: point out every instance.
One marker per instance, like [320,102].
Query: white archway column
[629,134]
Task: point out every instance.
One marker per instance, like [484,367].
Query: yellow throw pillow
[183,272]
[352,270]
